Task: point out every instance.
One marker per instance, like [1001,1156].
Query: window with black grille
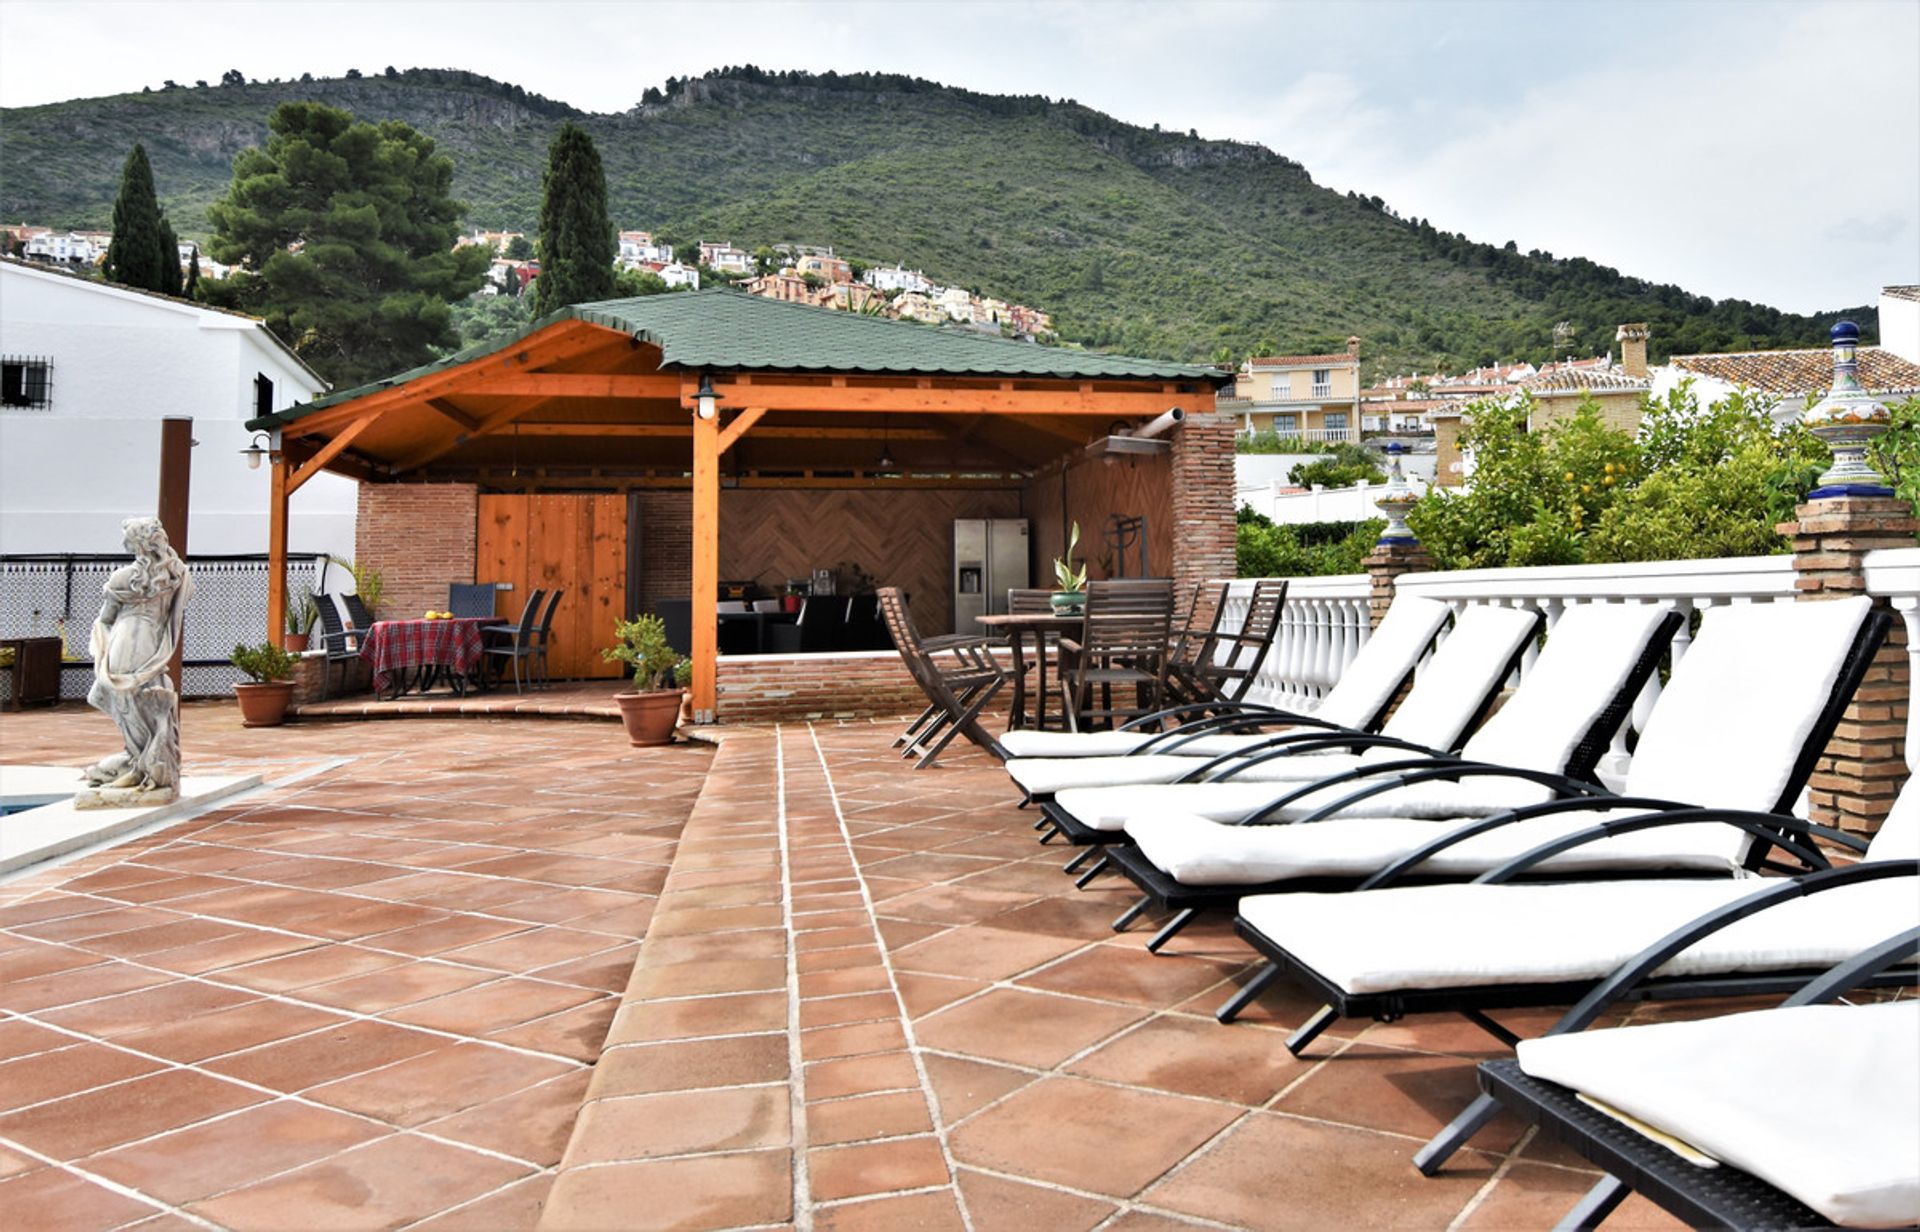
[26,381]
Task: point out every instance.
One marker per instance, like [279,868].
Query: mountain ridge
[1155,242]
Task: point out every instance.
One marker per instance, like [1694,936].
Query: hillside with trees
[1156,243]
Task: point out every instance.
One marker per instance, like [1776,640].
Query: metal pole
[176,474]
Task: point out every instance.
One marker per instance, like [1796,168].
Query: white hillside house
[88,371]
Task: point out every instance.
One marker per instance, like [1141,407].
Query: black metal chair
[543,636]
[519,640]
[816,631]
[341,644]
[358,614]
[468,602]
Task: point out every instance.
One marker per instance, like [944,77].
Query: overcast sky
[1763,149]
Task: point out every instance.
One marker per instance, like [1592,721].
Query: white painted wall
[1900,326]
[1260,470]
[1355,504]
[121,362]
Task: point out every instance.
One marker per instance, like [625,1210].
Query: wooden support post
[176,481]
[277,552]
[706,568]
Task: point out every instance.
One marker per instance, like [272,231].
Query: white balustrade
[1322,626]
[1894,574]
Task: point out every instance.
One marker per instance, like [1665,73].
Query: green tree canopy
[143,252]
[519,248]
[576,237]
[344,234]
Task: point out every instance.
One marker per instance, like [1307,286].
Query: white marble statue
[133,644]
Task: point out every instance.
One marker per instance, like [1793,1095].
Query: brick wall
[1855,782]
[420,536]
[666,546]
[763,688]
[1201,502]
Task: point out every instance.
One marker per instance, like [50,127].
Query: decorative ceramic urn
[1398,499]
[1848,420]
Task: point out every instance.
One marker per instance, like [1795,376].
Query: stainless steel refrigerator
[990,557]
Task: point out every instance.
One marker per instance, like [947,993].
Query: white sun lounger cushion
[1465,935]
[1449,690]
[1740,705]
[1198,852]
[1111,808]
[1362,690]
[1844,1138]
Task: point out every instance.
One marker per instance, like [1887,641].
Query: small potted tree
[263,702]
[1070,595]
[659,674]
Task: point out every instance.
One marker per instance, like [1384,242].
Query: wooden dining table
[1017,626]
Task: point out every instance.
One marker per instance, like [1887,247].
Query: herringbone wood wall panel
[903,538]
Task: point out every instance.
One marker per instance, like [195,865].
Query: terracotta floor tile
[539,947]
[647,1068]
[875,1167]
[533,1124]
[578,1033]
[141,941]
[247,946]
[20,1038]
[1275,1172]
[136,1011]
[720,1191]
[492,1007]
[699,978]
[1092,1137]
[1025,1028]
[67,1070]
[962,1087]
[216,1156]
[393,987]
[645,1021]
[923,994]
[840,983]
[1536,1196]
[947,904]
[57,988]
[887,1115]
[853,1040]
[247,1025]
[313,966]
[1407,1093]
[983,953]
[1127,972]
[607,971]
[391,1181]
[924,1212]
[437,1084]
[51,1199]
[1188,1056]
[79,1125]
[684,1123]
[883,1071]
[517,1206]
[336,1052]
[427,940]
[999,1205]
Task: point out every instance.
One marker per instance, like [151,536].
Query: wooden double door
[578,543]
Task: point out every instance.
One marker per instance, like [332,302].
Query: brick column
[1384,565]
[1202,500]
[1855,782]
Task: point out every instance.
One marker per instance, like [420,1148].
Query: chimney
[1633,349]
[1353,346]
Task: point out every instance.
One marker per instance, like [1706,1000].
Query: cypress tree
[193,275]
[140,254]
[576,237]
[169,259]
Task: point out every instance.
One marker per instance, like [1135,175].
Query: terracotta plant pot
[297,642]
[789,603]
[263,704]
[650,716]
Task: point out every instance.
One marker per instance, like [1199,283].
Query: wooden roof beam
[855,400]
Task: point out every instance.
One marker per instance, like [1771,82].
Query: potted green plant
[263,702]
[302,612]
[1070,594]
[659,674]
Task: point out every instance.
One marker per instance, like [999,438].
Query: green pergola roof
[727,330]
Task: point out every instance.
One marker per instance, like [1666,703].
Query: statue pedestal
[124,797]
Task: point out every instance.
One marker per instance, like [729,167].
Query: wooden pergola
[608,397]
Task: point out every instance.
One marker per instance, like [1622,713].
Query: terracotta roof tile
[1803,372]
[1577,380]
[1302,361]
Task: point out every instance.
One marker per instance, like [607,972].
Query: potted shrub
[652,709]
[1070,593]
[263,702]
[302,612]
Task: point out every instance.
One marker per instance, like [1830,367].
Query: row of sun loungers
[1499,873]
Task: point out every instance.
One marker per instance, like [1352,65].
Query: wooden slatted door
[578,543]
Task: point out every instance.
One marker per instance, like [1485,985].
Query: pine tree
[141,251]
[576,237]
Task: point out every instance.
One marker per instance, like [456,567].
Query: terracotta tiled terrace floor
[867,999]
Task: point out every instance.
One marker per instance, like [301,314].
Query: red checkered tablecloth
[401,645]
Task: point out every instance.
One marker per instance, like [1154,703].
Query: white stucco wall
[1900,326]
[121,362]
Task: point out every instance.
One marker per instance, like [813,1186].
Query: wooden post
[176,476]
[706,568]
[277,552]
